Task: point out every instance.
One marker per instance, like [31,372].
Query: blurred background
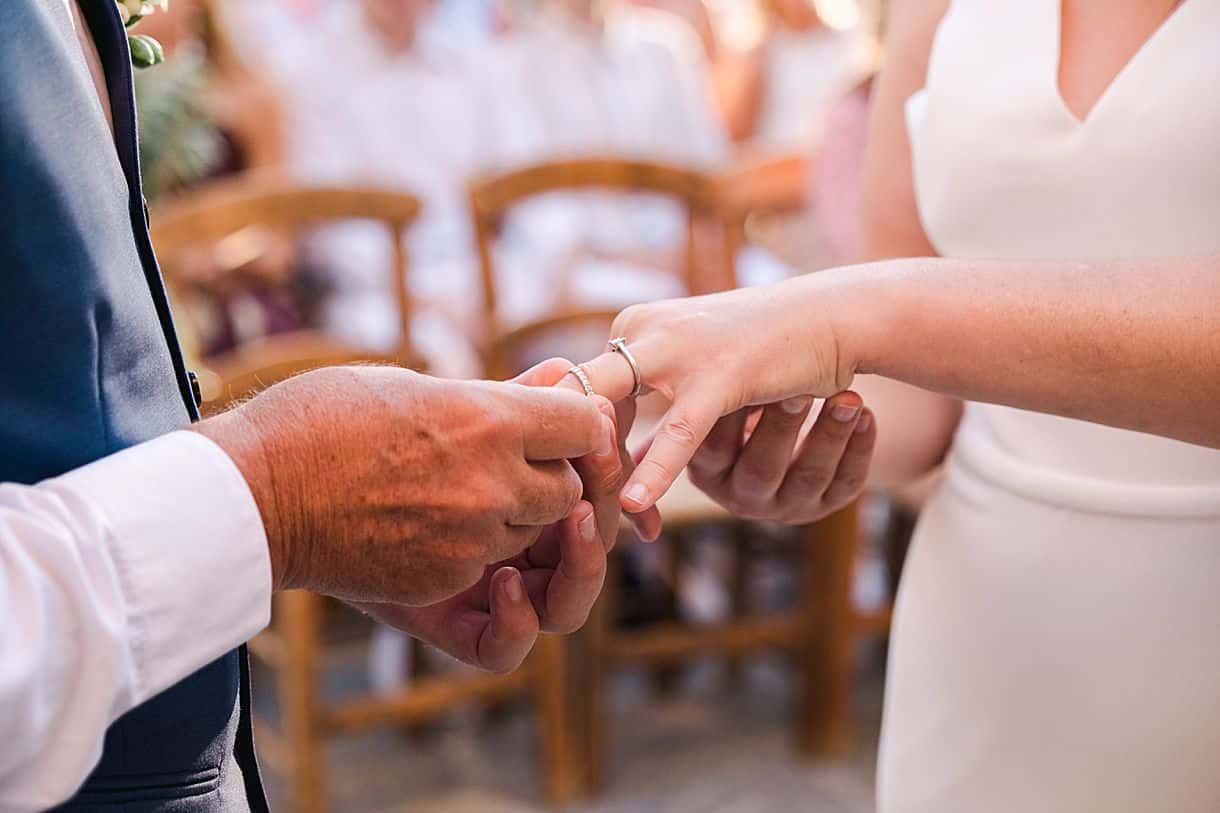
[467,187]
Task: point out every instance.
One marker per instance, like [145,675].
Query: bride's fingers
[720,449]
[813,470]
[852,474]
[678,437]
[647,523]
[759,470]
[610,375]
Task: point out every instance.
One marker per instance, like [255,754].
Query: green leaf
[145,51]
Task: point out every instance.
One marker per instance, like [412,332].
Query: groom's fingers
[546,374]
[557,425]
[510,632]
[603,475]
[564,593]
[496,635]
[678,437]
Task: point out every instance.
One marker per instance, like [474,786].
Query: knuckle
[628,318]
[809,479]
[681,430]
[652,471]
[610,480]
[752,475]
[836,431]
[851,483]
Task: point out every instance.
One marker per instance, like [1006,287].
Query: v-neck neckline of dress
[1124,75]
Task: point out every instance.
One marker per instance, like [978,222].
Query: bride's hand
[770,463]
[711,356]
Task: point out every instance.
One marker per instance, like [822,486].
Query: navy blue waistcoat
[89,365]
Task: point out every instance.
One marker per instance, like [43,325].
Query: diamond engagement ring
[579,372]
[619,346]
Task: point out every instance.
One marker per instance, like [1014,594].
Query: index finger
[559,425]
[678,437]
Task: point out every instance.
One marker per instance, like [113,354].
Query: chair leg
[667,676]
[739,593]
[897,542]
[419,671]
[561,764]
[592,695]
[826,673]
[300,620]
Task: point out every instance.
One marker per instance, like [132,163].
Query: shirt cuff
[189,547]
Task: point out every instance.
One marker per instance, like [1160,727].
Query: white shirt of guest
[806,73]
[637,89]
[422,122]
[117,580]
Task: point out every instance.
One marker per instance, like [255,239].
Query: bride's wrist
[860,305]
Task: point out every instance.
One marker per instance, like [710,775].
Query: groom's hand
[493,625]
[378,484]
[550,587]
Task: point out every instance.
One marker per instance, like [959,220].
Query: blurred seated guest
[396,103]
[470,22]
[604,79]
[695,14]
[273,37]
[806,54]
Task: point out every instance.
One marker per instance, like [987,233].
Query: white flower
[139,8]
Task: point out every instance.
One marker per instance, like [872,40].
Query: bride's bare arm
[1128,344]
[915,426]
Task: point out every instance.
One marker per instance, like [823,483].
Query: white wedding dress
[1056,644]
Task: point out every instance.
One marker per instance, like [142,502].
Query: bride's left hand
[712,356]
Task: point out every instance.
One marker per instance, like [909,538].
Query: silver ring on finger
[579,373]
[619,346]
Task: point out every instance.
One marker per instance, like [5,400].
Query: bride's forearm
[1129,344]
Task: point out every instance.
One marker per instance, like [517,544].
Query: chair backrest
[220,212]
[699,193]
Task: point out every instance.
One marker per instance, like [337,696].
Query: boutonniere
[145,51]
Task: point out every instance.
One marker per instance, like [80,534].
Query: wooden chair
[293,646]
[819,631]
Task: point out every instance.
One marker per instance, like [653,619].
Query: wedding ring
[619,346]
[585,383]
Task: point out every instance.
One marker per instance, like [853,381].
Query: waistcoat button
[196,393]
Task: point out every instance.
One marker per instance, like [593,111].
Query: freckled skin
[378,484]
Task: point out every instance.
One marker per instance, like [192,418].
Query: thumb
[546,374]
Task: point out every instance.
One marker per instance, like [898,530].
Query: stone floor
[709,748]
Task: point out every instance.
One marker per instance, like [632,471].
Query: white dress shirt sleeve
[117,580]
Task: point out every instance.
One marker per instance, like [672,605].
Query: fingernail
[844,413]
[795,406]
[866,420]
[636,493]
[605,445]
[512,589]
[587,527]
